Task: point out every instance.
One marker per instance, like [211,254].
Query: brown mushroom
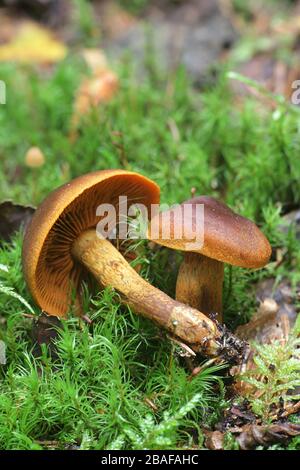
[227,238]
[61,246]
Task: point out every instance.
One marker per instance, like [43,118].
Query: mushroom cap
[49,268]
[227,236]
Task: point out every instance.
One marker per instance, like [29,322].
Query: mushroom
[61,245]
[34,158]
[226,238]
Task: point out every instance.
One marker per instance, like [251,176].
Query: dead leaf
[253,435]
[33,44]
[13,217]
[266,325]
[272,322]
[214,440]
[44,331]
[276,313]
[236,416]
[282,293]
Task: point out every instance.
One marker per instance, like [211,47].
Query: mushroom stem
[110,268]
[200,283]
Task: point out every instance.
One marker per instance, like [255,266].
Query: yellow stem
[110,268]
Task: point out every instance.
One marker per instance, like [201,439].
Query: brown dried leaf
[253,435]
[214,440]
[44,331]
[275,316]
[13,217]
[266,325]
[283,295]
[272,322]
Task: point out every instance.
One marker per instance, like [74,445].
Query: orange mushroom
[226,238]
[61,246]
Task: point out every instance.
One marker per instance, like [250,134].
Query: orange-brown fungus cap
[49,269]
[228,237]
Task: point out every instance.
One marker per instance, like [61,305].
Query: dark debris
[12,218]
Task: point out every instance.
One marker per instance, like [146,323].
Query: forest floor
[229,130]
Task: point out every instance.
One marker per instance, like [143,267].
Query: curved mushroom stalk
[200,283]
[110,268]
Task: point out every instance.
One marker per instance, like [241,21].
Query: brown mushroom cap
[228,237]
[49,269]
